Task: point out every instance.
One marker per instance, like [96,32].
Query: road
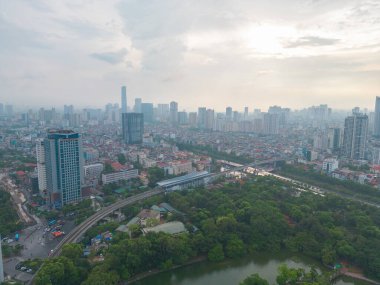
[318,190]
[78,231]
[18,198]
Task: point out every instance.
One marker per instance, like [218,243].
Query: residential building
[1,264]
[147,110]
[41,167]
[271,124]
[334,138]
[355,136]
[376,130]
[229,114]
[182,118]
[64,167]
[202,115]
[93,170]
[330,164]
[113,177]
[193,119]
[174,113]
[210,119]
[133,128]
[123,99]
[137,107]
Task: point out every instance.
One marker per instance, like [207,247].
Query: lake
[231,272]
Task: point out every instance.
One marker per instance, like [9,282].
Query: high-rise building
[355,136]
[64,167]
[202,114]
[133,127]
[163,112]
[68,110]
[147,110]
[334,138]
[1,264]
[271,124]
[174,113]
[182,118]
[245,113]
[229,114]
[123,99]
[1,109]
[41,167]
[193,119]
[376,128]
[210,119]
[9,110]
[137,107]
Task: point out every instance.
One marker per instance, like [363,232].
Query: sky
[212,53]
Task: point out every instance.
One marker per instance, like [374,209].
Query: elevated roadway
[78,231]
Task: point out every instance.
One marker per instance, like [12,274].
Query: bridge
[242,167]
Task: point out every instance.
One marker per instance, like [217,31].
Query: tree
[216,253]
[135,230]
[155,174]
[121,158]
[72,251]
[58,271]
[235,247]
[254,279]
[99,277]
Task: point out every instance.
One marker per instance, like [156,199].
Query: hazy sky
[212,53]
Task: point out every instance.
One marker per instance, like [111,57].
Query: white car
[9,240]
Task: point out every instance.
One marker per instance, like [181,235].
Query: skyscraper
[229,114]
[163,112]
[41,167]
[355,136]
[1,264]
[271,124]
[376,127]
[174,113]
[182,118]
[334,138]
[202,114]
[147,110]
[133,128]
[64,166]
[137,107]
[210,119]
[123,99]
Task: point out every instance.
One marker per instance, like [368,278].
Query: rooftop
[169,228]
[182,179]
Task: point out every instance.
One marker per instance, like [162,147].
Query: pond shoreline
[200,259]
[143,275]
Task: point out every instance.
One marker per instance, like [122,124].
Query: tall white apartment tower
[376,127]
[1,265]
[123,99]
[41,167]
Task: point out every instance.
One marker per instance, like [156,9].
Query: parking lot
[38,241]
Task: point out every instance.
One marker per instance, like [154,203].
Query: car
[10,240]
[29,270]
[18,266]
[23,268]
[4,239]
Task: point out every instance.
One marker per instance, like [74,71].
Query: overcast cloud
[212,53]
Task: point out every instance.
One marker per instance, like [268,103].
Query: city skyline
[253,54]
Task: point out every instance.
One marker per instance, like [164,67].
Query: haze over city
[205,53]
